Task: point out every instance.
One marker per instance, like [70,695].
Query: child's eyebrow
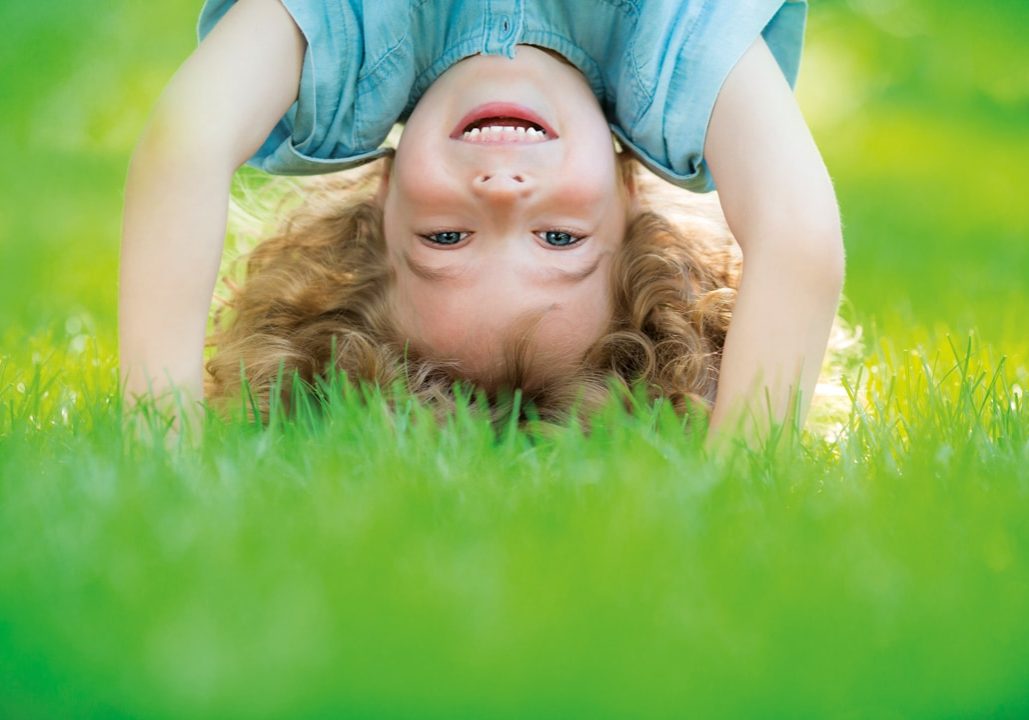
[547,275]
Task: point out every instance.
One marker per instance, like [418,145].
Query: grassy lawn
[370,563]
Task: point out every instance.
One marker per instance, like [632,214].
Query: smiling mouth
[496,123]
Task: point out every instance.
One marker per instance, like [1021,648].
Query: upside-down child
[519,235]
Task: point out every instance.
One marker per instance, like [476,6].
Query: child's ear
[380,191]
[627,171]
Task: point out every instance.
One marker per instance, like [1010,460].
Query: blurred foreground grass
[878,566]
[374,563]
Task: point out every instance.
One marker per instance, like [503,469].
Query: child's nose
[503,186]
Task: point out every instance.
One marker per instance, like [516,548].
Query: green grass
[374,563]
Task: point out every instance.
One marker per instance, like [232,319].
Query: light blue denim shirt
[656,67]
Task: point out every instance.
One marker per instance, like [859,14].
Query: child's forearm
[175,213]
[777,339]
[215,113]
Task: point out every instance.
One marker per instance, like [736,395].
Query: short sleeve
[317,134]
[668,136]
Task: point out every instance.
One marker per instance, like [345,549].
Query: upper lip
[502,110]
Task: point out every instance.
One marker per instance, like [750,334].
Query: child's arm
[779,202]
[214,114]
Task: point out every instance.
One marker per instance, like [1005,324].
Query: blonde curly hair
[314,302]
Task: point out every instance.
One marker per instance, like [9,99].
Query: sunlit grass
[374,560]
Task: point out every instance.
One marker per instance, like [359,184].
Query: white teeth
[504,133]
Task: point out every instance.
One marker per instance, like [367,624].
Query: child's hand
[213,115]
[779,202]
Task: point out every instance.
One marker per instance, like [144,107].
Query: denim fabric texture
[656,67]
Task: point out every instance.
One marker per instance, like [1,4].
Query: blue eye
[559,238]
[447,237]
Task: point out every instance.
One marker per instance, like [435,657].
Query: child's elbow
[173,135]
[830,255]
[182,131]
[816,249]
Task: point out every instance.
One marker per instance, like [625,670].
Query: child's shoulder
[656,66]
[683,52]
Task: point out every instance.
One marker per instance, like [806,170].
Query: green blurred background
[921,108]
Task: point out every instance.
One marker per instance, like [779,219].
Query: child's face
[495,232]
